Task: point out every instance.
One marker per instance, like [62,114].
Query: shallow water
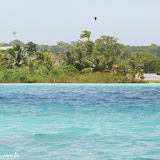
[80,121]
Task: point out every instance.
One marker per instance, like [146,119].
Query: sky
[133,22]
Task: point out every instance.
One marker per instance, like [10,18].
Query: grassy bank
[152,81]
[25,76]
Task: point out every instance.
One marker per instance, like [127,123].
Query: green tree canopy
[85,34]
[31,47]
[17,42]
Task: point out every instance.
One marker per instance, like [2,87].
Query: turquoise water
[80,121]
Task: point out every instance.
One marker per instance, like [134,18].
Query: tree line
[80,61]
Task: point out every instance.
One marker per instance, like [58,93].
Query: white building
[149,76]
[6,48]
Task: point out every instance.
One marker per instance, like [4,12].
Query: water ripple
[80,121]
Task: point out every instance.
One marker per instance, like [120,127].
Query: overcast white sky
[134,22]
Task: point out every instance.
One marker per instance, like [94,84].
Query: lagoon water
[80,121]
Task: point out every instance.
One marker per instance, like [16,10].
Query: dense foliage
[104,60]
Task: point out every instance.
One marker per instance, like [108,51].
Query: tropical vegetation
[103,61]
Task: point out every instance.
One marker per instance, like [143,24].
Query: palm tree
[18,55]
[69,58]
[85,34]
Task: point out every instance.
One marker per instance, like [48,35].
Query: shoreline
[81,83]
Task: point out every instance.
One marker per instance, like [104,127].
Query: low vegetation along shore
[25,76]
[83,61]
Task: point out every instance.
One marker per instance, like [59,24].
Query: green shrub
[86,70]
[69,69]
